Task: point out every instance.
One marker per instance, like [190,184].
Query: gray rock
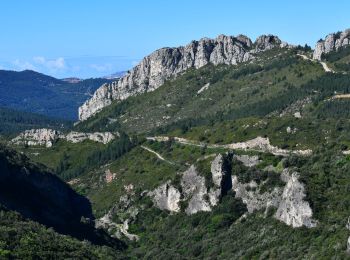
[48,137]
[194,190]
[166,197]
[33,137]
[251,196]
[293,209]
[332,42]
[247,160]
[164,63]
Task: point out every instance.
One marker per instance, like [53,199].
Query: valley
[223,148]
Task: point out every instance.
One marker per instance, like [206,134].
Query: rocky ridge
[288,200]
[164,63]
[332,42]
[47,137]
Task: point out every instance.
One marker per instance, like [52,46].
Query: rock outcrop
[253,198]
[348,241]
[332,42]
[293,209]
[164,63]
[47,137]
[166,197]
[77,137]
[33,137]
[195,193]
[289,201]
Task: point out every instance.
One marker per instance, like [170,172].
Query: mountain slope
[223,161]
[165,63]
[276,79]
[35,92]
[22,239]
[14,121]
[44,198]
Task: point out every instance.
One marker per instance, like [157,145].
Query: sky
[93,38]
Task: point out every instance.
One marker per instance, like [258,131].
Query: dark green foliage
[268,179]
[38,93]
[43,197]
[257,89]
[14,121]
[334,56]
[25,239]
[95,158]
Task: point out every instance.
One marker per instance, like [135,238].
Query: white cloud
[102,68]
[39,59]
[51,64]
[23,65]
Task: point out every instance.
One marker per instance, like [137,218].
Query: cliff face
[332,42]
[288,200]
[48,137]
[164,63]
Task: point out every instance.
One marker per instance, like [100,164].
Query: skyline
[56,38]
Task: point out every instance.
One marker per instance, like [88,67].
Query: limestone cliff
[47,137]
[194,190]
[332,42]
[164,63]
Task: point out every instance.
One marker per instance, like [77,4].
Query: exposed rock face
[34,137]
[247,160]
[125,212]
[251,196]
[194,189]
[48,137]
[164,63]
[332,42]
[267,42]
[292,209]
[77,137]
[348,241]
[166,197]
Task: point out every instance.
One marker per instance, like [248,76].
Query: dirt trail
[324,65]
[258,144]
[157,154]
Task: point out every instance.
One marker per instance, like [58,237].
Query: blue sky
[87,38]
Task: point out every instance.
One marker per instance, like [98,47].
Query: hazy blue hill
[38,93]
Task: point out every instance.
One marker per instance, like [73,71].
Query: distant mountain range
[116,75]
[34,92]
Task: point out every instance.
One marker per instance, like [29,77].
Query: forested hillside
[38,93]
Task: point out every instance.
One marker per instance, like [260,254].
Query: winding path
[157,154]
[258,144]
[324,65]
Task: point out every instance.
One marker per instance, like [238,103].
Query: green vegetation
[34,92]
[241,103]
[235,92]
[25,239]
[14,122]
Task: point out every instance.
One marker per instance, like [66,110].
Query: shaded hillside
[43,197]
[35,92]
